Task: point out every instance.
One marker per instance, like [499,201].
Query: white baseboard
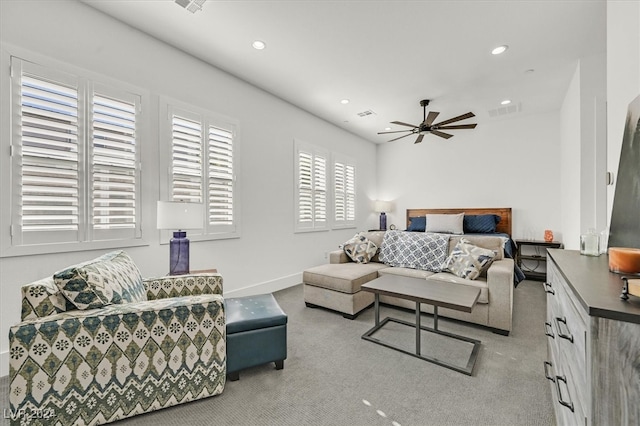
[260,288]
[266,287]
[4,363]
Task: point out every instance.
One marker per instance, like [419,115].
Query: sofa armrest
[112,352]
[339,256]
[500,282]
[182,285]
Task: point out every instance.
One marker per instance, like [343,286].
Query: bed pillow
[417,224]
[360,249]
[112,278]
[468,261]
[480,223]
[445,223]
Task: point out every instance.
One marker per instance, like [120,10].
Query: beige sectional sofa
[336,285]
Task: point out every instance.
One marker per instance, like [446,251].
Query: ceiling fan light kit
[427,125]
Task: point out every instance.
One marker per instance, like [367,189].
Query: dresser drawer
[567,403]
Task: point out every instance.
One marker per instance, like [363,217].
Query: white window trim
[315,152]
[347,162]
[169,106]
[9,149]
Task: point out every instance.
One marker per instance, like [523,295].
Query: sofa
[97,343]
[337,285]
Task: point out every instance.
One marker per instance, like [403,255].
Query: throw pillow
[414,250]
[469,261]
[417,224]
[445,223]
[112,278]
[480,223]
[360,249]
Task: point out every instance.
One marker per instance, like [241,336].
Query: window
[344,179]
[74,159]
[202,168]
[311,187]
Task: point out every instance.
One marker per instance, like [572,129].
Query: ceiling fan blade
[394,131]
[441,134]
[459,126]
[420,137]
[403,136]
[454,119]
[431,118]
[400,123]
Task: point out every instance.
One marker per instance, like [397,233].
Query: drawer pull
[546,374]
[569,404]
[563,320]
[548,330]
[549,289]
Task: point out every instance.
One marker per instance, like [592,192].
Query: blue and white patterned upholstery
[468,261]
[414,250]
[95,366]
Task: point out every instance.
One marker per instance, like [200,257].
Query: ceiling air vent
[191,5]
[366,113]
[505,110]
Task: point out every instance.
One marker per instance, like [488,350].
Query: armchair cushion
[112,278]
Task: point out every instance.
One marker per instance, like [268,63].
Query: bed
[503,227]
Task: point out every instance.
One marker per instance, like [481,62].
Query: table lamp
[180,216]
[382,207]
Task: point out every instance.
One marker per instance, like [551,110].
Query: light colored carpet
[333,377]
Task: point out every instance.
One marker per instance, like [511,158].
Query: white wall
[268,254]
[501,163]
[569,158]
[623,77]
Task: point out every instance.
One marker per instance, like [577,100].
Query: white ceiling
[385,56]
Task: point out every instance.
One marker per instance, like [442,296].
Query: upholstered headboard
[504,213]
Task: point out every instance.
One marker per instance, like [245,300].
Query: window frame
[14,242]
[167,108]
[315,152]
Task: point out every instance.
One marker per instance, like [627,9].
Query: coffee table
[448,295]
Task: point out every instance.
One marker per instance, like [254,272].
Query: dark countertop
[597,289]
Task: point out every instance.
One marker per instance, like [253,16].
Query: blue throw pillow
[417,224]
[480,224]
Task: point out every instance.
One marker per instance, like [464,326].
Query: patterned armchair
[155,343]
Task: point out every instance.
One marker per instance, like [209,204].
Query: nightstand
[533,260]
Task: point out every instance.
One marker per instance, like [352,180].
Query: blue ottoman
[256,333]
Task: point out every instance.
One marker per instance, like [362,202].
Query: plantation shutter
[186,160]
[344,194]
[114,156]
[311,189]
[48,154]
[220,176]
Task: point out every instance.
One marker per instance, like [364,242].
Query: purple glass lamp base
[179,254]
[383,221]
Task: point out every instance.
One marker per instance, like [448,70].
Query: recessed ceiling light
[387,128]
[344,101]
[259,45]
[506,102]
[500,49]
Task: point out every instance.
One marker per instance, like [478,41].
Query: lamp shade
[382,206]
[179,215]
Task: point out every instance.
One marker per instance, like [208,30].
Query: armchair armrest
[182,285]
[338,256]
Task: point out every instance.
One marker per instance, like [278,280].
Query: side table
[201,271]
[532,261]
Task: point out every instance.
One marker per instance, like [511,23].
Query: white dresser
[593,345]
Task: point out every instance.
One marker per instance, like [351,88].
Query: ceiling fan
[427,125]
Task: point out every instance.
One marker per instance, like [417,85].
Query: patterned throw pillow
[469,261]
[360,249]
[415,250]
[112,278]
